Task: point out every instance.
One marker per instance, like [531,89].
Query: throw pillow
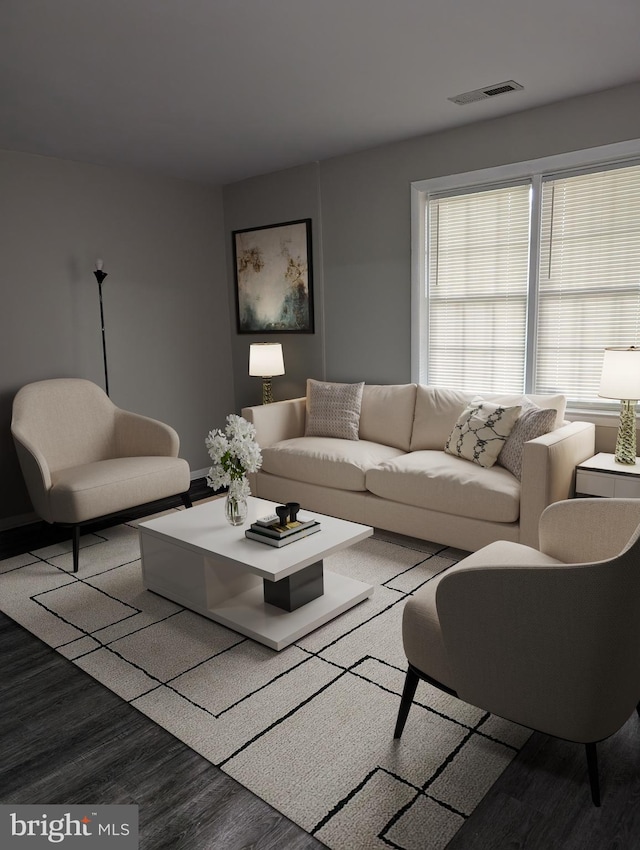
[534,422]
[481,431]
[333,410]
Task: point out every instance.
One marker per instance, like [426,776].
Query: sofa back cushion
[438,409]
[558,402]
[386,415]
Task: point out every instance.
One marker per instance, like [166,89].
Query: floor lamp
[265,361]
[621,379]
[100,276]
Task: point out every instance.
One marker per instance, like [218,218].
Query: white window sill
[600,418]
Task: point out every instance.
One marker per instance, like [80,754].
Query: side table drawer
[627,488]
[595,484]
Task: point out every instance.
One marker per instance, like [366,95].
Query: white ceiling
[220,90]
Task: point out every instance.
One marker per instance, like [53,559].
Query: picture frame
[274,278]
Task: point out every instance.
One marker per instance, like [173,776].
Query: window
[478,269]
[588,277]
[525,283]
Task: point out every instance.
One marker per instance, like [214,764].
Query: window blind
[588,277]
[477,271]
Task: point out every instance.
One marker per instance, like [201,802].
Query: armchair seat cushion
[421,632]
[91,490]
[441,482]
[327,461]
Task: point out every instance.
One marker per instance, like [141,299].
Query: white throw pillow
[481,431]
[333,410]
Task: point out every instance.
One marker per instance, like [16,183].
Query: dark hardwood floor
[67,739]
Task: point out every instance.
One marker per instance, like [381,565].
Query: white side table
[601,475]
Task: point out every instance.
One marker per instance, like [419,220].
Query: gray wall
[165,297]
[173,349]
[283,196]
[360,205]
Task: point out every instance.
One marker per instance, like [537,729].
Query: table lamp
[621,379]
[265,361]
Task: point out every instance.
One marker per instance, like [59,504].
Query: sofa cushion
[438,408]
[341,464]
[441,482]
[558,402]
[481,431]
[532,423]
[386,415]
[333,410]
[437,411]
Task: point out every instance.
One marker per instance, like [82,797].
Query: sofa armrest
[280,420]
[548,472]
[141,436]
[586,530]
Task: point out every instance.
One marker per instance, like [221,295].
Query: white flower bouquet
[234,453]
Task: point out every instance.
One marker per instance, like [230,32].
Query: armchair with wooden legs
[549,639]
[85,459]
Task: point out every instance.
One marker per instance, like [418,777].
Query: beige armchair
[84,459]
[549,639]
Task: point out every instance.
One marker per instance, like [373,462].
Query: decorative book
[282,535]
[278,530]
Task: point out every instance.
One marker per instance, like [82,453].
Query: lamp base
[267,392]
[626,441]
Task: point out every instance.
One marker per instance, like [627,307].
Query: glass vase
[236,510]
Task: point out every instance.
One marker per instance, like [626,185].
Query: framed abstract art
[273,278]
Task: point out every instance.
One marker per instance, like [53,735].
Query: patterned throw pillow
[333,410]
[534,422]
[481,431]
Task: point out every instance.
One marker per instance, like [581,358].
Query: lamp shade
[265,359]
[620,377]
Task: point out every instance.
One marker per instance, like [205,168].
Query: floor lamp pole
[100,276]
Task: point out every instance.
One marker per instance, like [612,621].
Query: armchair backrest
[555,648]
[69,421]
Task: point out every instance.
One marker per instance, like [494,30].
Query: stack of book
[274,534]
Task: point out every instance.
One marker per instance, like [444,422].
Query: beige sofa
[398,477]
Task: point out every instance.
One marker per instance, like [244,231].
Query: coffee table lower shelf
[250,615]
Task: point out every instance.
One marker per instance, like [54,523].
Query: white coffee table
[195,558]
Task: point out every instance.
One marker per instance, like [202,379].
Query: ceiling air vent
[486,92]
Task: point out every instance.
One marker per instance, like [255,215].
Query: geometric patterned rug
[309,729]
